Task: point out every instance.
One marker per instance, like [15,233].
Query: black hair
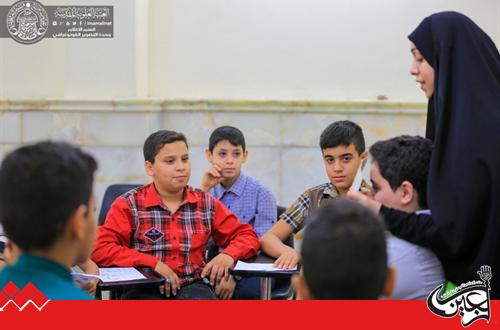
[342,133]
[344,252]
[157,140]
[41,186]
[404,158]
[229,133]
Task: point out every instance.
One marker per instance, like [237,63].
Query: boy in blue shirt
[250,200]
[47,209]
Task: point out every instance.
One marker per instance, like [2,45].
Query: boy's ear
[245,155]
[148,166]
[301,289]
[408,192]
[11,252]
[390,282]
[364,154]
[209,155]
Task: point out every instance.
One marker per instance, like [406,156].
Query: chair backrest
[111,193]
[289,240]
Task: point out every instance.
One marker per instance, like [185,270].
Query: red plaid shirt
[140,231]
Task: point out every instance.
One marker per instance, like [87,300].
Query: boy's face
[172,168]
[341,164]
[403,198]
[382,191]
[228,158]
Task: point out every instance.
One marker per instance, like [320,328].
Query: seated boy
[399,171]
[47,208]
[343,147]
[247,198]
[344,255]
[165,225]
[11,253]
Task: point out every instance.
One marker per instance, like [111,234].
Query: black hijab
[463,120]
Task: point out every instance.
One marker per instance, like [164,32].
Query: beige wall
[168,57]
[235,49]
[293,49]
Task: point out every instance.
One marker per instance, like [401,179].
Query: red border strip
[255,315]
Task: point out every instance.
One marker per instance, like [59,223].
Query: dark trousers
[248,288]
[194,291]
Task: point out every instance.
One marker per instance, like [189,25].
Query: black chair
[113,192]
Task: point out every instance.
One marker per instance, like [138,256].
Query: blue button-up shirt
[251,201]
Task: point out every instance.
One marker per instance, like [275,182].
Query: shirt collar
[237,187]
[153,198]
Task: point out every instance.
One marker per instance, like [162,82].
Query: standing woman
[458,68]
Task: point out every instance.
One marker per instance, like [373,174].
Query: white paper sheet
[240,265]
[115,274]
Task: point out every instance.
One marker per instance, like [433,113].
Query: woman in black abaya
[458,68]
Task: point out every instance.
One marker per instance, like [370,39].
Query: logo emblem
[27,22]
[153,234]
[471,300]
[10,295]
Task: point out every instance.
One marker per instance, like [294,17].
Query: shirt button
[175,258]
[175,238]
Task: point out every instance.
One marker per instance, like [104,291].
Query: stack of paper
[265,267]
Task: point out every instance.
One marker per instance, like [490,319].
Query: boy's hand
[218,268]
[91,287]
[211,178]
[366,201]
[225,288]
[172,283]
[288,259]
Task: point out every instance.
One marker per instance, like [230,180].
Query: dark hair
[157,140]
[344,252]
[343,132]
[41,186]
[229,133]
[404,158]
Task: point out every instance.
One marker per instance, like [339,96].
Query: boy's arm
[89,267]
[266,211]
[292,220]
[272,245]
[113,240]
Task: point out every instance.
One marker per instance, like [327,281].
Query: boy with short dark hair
[246,197]
[344,255]
[47,209]
[399,171]
[343,147]
[166,224]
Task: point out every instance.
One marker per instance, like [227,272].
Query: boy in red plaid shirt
[166,225]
